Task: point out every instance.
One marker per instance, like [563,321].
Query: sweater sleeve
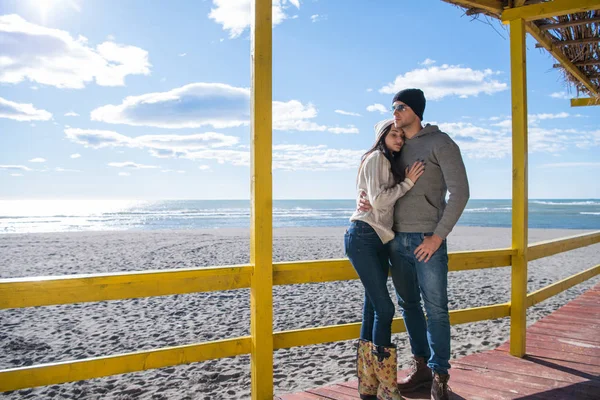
[377,171]
[455,176]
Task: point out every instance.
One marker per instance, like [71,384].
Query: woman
[383,182]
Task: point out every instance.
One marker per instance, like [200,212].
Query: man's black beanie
[414,98]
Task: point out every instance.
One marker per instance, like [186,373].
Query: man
[418,253]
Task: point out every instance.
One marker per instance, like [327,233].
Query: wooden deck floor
[562,362]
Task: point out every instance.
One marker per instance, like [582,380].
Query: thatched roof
[573,39]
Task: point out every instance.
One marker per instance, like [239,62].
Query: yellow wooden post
[518,66]
[261,231]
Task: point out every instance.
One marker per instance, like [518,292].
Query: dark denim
[369,256]
[414,280]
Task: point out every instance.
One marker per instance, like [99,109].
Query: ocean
[29,216]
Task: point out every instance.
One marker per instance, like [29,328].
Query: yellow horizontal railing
[44,291]
[29,292]
[555,246]
[69,371]
[562,285]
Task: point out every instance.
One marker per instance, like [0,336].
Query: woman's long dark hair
[397,170]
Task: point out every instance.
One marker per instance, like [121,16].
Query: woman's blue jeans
[414,280]
[370,259]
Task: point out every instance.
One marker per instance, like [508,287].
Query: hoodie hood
[428,129]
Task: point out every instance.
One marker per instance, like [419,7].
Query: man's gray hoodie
[423,209]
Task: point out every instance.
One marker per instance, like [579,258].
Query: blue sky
[150,99]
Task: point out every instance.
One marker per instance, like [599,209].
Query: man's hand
[428,247]
[363,203]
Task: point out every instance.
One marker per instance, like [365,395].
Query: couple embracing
[400,226]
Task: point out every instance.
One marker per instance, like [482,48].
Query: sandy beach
[59,333]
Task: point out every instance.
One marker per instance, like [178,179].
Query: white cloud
[447,80]
[131,164]
[234,15]
[59,169]
[369,90]
[76,155]
[318,17]
[161,146]
[200,104]
[98,138]
[182,54]
[53,57]
[561,95]
[378,107]
[190,106]
[21,111]
[38,160]
[494,141]
[535,117]
[353,114]
[428,61]
[124,174]
[71,114]
[16,174]
[338,130]
[15,168]
[212,146]
[179,171]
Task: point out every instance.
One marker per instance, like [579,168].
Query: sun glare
[48,8]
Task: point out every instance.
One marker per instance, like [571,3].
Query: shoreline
[67,332]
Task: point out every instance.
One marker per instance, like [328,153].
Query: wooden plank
[298,396]
[500,361]
[557,344]
[504,382]
[563,334]
[549,9]
[335,392]
[563,355]
[593,322]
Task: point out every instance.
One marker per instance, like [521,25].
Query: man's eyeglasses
[399,107]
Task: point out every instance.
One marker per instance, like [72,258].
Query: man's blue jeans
[369,256]
[414,280]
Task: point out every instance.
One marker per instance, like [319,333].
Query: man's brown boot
[439,387]
[418,377]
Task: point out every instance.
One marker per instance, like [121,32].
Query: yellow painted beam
[585,101]
[261,226]
[475,314]
[334,333]
[545,40]
[44,291]
[70,371]
[519,188]
[491,6]
[288,273]
[560,286]
[480,259]
[555,246]
[549,9]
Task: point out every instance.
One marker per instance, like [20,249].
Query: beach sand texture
[60,333]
